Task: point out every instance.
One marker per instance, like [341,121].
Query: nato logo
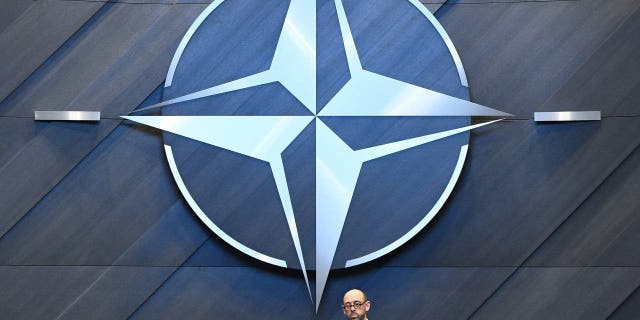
[314,135]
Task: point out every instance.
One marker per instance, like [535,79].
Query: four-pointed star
[266,137]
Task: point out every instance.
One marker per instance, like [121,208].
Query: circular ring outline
[352,262]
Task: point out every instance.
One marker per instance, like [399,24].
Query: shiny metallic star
[337,164]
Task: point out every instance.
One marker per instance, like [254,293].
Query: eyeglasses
[357,305]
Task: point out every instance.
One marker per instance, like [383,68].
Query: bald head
[354,294]
[355,304]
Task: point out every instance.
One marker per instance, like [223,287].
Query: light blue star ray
[253,80]
[337,170]
[377,95]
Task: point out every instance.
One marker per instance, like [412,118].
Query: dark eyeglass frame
[357,305]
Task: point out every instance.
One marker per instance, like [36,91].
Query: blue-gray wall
[543,224]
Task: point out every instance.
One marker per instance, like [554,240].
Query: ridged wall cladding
[544,222]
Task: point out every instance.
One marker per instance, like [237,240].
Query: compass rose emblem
[338,166]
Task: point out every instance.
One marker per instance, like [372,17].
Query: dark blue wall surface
[543,224]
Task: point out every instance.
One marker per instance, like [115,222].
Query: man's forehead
[353,295]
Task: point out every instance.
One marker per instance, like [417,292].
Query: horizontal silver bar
[560,116]
[67,115]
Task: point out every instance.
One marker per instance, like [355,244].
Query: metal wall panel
[33,36]
[541,225]
[539,174]
[38,292]
[561,293]
[604,229]
[518,55]
[629,309]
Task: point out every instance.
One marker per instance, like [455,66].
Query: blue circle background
[393,193]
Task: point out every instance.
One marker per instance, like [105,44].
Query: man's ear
[367,305]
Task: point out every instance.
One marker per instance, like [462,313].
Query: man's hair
[363,293]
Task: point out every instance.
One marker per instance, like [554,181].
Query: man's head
[355,305]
